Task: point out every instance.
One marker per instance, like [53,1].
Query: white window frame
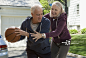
[77,9]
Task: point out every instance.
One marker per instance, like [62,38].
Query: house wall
[73,17]
[83,14]
[15,11]
[13,16]
[12,13]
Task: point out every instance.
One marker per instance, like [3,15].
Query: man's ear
[32,14]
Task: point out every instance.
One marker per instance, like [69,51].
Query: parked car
[3,48]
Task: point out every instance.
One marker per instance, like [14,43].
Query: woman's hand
[36,36]
[21,32]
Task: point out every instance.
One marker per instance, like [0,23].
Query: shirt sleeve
[58,30]
[22,28]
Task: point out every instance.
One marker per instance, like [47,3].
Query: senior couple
[37,29]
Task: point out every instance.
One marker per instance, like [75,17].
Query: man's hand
[36,36]
[21,32]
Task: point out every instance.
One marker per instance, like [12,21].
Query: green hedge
[73,31]
[83,31]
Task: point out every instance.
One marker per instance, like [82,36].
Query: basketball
[10,35]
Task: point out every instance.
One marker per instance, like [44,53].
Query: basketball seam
[10,34]
[12,39]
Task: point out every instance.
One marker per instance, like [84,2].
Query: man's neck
[34,22]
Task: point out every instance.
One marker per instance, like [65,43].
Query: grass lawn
[78,44]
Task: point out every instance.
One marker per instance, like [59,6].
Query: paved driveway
[20,53]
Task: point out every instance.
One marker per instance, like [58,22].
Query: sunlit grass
[78,44]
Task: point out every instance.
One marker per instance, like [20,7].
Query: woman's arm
[60,26]
[44,29]
[57,31]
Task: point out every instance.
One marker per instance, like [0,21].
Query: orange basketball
[10,35]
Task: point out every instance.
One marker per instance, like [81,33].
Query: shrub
[73,31]
[46,11]
[83,31]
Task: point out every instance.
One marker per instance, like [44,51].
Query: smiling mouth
[53,13]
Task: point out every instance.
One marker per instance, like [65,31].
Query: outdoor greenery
[78,44]
[73,31]
[83,31]
[45,5]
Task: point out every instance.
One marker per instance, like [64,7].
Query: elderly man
[40,48]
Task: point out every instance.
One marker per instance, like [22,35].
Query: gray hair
[59,5]
[34,7]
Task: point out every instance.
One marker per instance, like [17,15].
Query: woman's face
[55,10]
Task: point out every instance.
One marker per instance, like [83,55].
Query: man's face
[37,15]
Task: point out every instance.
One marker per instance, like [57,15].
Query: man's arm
[22,31]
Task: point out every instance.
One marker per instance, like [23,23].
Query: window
[77,9]
[78,27]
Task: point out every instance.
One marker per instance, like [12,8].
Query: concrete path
[20,53]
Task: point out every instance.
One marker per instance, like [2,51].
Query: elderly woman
[59,32]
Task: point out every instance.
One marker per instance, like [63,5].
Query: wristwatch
[43,35]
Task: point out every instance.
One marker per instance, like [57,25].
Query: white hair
[34,7]
[59,5]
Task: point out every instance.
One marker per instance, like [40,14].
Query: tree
[45,5]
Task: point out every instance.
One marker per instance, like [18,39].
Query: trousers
[33,54]
[58,51]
